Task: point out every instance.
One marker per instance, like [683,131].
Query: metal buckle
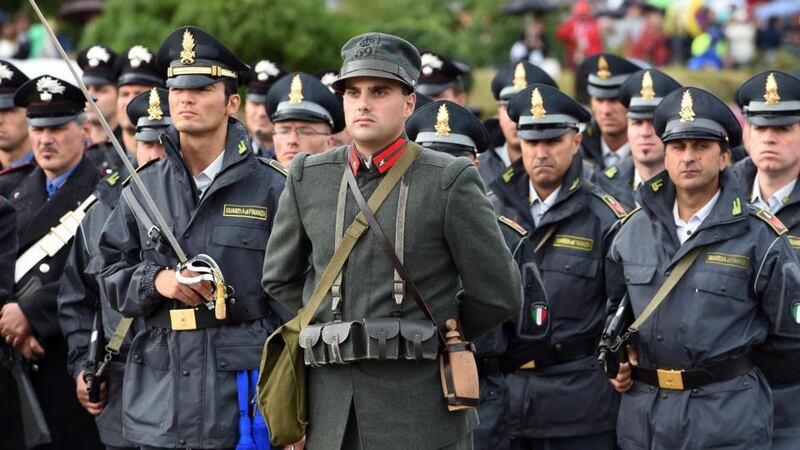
[182,319]
[529,365]
[670,379]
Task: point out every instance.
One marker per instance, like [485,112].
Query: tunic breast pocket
[715,311]
[240,236]
[573,286]
[639,280]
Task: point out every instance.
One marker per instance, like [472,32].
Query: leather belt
[183,319]
[683,379]
[560,353]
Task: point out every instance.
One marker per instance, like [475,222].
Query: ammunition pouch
[380,339]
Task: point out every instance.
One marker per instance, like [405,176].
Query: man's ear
[411,102]
[234,101]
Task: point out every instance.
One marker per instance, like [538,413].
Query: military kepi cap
[149,110]
[446,126]
[770,98]
[137,65]
[437,73]
[193,58]
[606,73]
[514,77]
[379,55]
[693,113]
[543,112]
[301,96]
[11,79]
[643,91]
[98,64]
[51,102]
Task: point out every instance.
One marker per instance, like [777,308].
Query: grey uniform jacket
[78,297]
[180,386]
[451,233]
[570,397]
[786,382]
[618,180]
[491,165]
[731,299]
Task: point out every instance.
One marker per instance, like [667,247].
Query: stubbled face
[13,128]
[201,110]
[105,97]
[646,147]
[775,149]
[126,94]
[148,151]
[291,137]
[507,126]
[57,149]
[547,161]
[256,119]
[610,114]
[376,110]
[695,164]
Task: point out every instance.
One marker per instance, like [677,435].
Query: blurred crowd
[700,34]
[19,39]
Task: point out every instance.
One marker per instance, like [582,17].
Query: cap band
[376,64]
[139,78]
[564,119]
[756,107]
[614,81]
[697,125]
[214,71]
[507,92]
[640,102]
[452,138]
[304,107]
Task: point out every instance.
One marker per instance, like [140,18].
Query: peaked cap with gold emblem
[149,110]
[447,127]
[51,101]
[514,77]
[644,90]
[606,73]
[694,113]
[544,112]
[302,96]
[771,98]
[192,58]
[11,78]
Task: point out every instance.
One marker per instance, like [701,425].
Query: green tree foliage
[301,34]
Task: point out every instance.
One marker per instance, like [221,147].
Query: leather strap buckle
[670,379]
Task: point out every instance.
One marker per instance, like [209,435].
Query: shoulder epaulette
[513,225]
[139,169]
[630,214]
[773,221]
[612,203]
[16,168]
[112,179]
[275,165]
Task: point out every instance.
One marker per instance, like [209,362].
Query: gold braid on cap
[520,79]
[537,105]
[771,91]
[647,91]
[188,54]
[687,108]
[154,111]
[442,122]
[296,90]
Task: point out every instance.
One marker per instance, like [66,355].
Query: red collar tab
[383,160]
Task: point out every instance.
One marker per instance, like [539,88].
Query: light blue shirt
[53,185]
[28,157]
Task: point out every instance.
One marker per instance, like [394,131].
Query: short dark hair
[231,88]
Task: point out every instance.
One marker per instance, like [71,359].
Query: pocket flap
[310,335]
[721,284]
[240,237]
[388,328]
[639,274]
[571,264]
[416,330]
[232,358]
[338,331]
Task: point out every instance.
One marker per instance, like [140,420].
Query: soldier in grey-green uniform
[388,403]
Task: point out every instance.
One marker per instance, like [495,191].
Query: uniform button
[659,338]
[137,357]
[186,235]
[185,373]
[182,442]
[252,166]
[723,288]
[667,273]
[245,241]
[223,364]
[695,391]
[627,278]
[567,267]
[663,396]
[716,236]
[652,389]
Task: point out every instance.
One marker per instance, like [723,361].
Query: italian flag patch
[796,311]
[539,314]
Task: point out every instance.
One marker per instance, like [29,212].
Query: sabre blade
[151,204]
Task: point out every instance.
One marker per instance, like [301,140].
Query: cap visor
[191,81]
[148,135]
[257,98]
[542,134]
[43,122]
[690,134]
[640,115]
[371,73]
[141,79]
[297,115]
[94,80]
[773,121]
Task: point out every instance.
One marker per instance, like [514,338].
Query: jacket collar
[382,161]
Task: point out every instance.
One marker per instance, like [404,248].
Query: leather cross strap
[387,247]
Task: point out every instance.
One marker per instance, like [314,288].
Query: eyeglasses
[301,131]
